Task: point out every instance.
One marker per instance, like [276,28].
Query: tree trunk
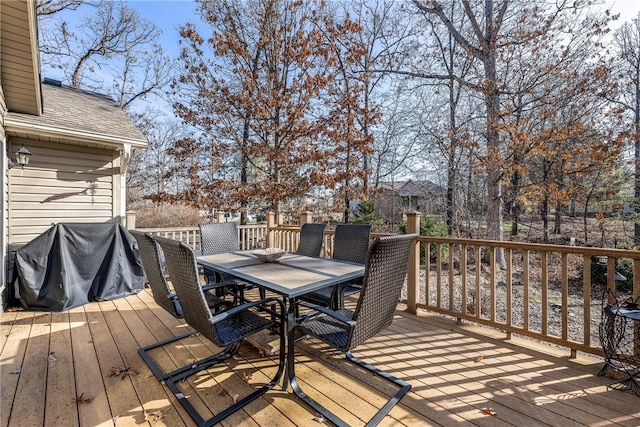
[557,219]
[492,102]
[637,157]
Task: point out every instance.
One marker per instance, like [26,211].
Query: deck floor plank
[576,378]
[203,389]
[29,401]
[523,384]
[121,394]
[61,407]
[11,361]
[91,395]
[156,404]
[5,327]
[470,384]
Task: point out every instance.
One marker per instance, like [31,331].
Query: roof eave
[14,124]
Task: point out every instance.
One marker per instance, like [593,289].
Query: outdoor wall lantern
[22,156]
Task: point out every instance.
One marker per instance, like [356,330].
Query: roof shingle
[80,110]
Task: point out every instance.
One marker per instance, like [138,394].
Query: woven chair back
[351,242]
[217,238]
[385,272]
[311,238]
[151,256]
[183,270]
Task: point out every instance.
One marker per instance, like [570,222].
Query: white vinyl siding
[62,183]
[19,66]
[3,202]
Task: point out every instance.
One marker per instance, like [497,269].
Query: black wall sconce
[22,158]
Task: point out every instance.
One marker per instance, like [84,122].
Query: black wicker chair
[311,239]
[226,329]
[344,329]
[217,238]
[351,242]
[165,297]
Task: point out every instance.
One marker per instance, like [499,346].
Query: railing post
[220,217]
[130,220]
[279,218]
[413,273]
[271,224]
[305,218]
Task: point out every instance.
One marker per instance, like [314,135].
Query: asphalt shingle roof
[81,110]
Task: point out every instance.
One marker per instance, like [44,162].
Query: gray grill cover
[72,264]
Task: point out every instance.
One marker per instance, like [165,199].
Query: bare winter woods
[512,108]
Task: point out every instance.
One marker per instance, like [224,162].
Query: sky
[169,15]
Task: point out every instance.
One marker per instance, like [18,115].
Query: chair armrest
[238,308]
[338,316]
[218,285]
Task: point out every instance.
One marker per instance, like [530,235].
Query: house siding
[62,183]
[19,65]
[3,203]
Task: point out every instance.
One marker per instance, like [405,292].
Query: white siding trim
[14,124]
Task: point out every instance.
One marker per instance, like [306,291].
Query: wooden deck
[65,369]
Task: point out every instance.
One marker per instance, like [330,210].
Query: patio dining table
[291,276]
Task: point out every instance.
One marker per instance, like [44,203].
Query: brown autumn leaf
[479,359]
[122,372]
[489,411]
[319,419]
[83,399]
[223,392]
[154,416]
[246,377]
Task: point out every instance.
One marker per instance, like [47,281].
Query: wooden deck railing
[250,236]
[543,291]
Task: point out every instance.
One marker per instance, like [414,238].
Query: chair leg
[207,361]
[201,422]
[404,389]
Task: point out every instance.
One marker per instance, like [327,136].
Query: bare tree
[112,50]
[51,7]
[149,167]
[627,41]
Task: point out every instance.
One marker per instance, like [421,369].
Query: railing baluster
[438,275]
[463,269]
[565,296]
[427,267]
[492,283]
[586,295]
[509,291]
[525,288]
[478,262]
[451,282]
[544,289]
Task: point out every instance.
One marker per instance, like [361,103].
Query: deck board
[153,396]
[61,408]
[29,400]
[455,371]
[91,395]
[11,360]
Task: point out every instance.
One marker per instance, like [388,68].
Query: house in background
[395,198]
[79,142]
